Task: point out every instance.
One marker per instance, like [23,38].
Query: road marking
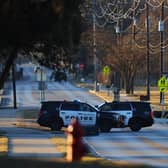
[3,144]
[156,145]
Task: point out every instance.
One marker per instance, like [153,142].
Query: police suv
[125,114]
[57,114]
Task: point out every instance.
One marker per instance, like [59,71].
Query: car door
[123,109]
[87,115]
[106,111]
[69,111]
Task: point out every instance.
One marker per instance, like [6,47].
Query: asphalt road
[148,146]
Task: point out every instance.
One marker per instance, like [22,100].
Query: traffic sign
[106,70]
[163,89]
[163,84]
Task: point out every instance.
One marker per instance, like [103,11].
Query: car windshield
[70,106]
[49,106]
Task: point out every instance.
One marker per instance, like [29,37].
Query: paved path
[23,142]
[31,143]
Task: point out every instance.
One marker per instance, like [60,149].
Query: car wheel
[91,131]
[57,125]
[105,126]
[105,129]
[135,126]
[95,131]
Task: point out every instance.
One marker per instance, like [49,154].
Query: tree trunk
[128,85]
[129,82]
[70,32]
[132,85]
[127,88]
[8,65]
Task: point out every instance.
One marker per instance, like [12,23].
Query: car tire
[57,125]
[105,129]
[95,130]
[91,131]
[105,126]
[135,125]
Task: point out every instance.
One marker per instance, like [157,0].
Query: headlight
[116,116]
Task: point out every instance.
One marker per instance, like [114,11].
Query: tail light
[40,113]
[151,114]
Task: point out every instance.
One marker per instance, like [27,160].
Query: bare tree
[126,60]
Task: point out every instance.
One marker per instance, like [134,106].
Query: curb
[91,149]
[107,99]
[161,120]
[157,120]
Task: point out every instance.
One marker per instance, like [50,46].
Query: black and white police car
[57,114]
[125,114]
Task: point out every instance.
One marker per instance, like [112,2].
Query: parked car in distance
[125,114]
[58,76]
[58,114]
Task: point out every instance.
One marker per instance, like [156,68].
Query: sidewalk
[26,143]
[154,98]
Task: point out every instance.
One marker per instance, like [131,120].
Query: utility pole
[162,40]
[134,23]
[14,86]
[147,52]
[94,46]
[133,39]
[162,50]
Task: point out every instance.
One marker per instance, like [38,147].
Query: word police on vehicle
[58,114]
